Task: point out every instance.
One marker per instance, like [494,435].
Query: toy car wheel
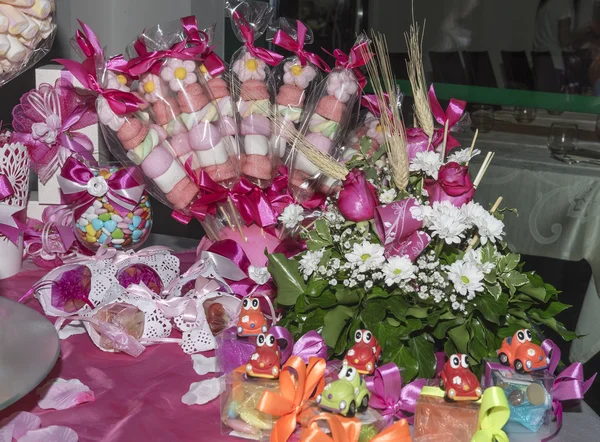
[503,359]
[351,409]
[364,404]
[441,383]
[519,366]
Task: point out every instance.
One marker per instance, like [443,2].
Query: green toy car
[346,395]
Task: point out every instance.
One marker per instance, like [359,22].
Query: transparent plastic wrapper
[295,78]
[253,90]
[26,35]
[326,119]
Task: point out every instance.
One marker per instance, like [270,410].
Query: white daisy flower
[473,212]
[292,216]
[366,255]
[397,269]
[428,162]
[466,277]
[462,156]
[309,263]
[388,196]
[447,222]
[490,228]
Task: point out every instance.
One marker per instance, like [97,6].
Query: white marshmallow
[256,145]
[4,44]
[17,51]
[213,157]
[170,178]
[304,164]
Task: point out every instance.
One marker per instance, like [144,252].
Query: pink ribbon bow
[212,62]
[80,187]
[452,115]
[120,102]
[269,57]
[354,60]
[389,397]
[48,241]
[10,227]
[286,41]
[568,385]
[399,229]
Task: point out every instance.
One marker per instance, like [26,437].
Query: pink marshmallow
[319,141]
[162,134]
[256,125]
[228,126]
[180,144]
[204,136]
[157,163]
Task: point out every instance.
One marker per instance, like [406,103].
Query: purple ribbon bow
[269,57]
[309,345]
[389,397]
[354,60]
[286,41]
[452,115]
[399,230]
[10,227]
[80,187]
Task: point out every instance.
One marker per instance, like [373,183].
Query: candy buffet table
[559,211]
[140,399]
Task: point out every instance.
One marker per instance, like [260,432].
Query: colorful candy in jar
[102,226]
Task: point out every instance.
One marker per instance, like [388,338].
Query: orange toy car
[265,362]
[520,353]
[459,382]
[252,322]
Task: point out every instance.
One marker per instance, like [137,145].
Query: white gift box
[49,193]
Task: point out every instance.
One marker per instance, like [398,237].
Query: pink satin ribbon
[123,191]
[269,57]
[568,385]
[389,397]
[311,344]
[48,241]
[452,115]
[354,60]
[212,62]
[371,103]
[10,227]
[286,41]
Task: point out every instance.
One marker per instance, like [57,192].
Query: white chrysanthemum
[462,156]
[490,228]
[309,263]
[388,196]
[419,211]
[466,277]
[366,255]
[446,221]
[292,216]
[473,212]
[428,162]
[398,269]
[473,256]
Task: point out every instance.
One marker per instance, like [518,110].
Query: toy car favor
[265,362]
[252,322]
[346,395]
[458,381]
[521,354]
[365,353]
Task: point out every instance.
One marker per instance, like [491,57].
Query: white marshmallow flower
[342,85]
[179,73]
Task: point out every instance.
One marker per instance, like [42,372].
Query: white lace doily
[14,164]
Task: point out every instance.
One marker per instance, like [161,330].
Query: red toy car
[252,322]
[520,353]
[265,362]
[365,353]
[458,381]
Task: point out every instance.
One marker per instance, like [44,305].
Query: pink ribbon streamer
[371,103]
[389,397]
[6,188]
[311,344]
[354,60]
[269,57]
[10,227]
[212,62]
[122,191]
[286,41]
[452,115]
[48,241]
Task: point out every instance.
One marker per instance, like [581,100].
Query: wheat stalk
[416,75]
[383,81]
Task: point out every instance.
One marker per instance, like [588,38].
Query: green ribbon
[493,415]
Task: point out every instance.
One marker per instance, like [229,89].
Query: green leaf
[508,262]
[315,242]
[491,277]
[345,341]
[553,324]
[365,145]
[371,173]
[534,292]
[335,321]
[404,358]
[449,347]
[325,301]
[448,315]
[516,278]
[323,230]
[313,321]
[460,337]
[441,330]
[287,278]
[346,296]
[495,290]
[493,309]
[302,306]
[397,306]
[417,312]
[422,349]
[488,253]
[315,287]
[554,309]
[378,292]
[413,324]
[373,314]
[378,153]
[433,318]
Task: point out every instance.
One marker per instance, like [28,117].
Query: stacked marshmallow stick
[296,76]
[23,25]
[326,121]
[252,78]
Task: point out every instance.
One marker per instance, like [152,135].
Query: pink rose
[453,184]
[418,141]
[358,198]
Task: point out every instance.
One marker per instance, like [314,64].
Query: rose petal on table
[204,365]
[17,424]
[74,328]
[51,434]
[204,391]
[60,394]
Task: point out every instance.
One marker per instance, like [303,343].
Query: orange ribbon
[348,430]
[298,383]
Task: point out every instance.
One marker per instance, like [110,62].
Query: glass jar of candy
[101,225]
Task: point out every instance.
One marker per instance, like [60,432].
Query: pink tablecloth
[137,399]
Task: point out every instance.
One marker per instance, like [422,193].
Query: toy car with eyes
[521,354]
[347,395]
[265,362]
[458,381]
[365,353]
[252,322]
